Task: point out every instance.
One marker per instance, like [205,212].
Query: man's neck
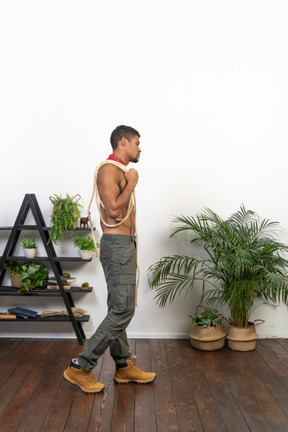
[117,158]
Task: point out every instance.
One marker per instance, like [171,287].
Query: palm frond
[174,285]
[159,272]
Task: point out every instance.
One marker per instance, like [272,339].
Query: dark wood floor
[194,391]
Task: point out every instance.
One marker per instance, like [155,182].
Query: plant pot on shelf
[30,253]
[86,246]
[243,338]
[85,286]
[207,338]
[15,280]
[86,255]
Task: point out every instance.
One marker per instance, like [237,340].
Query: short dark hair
[120,132]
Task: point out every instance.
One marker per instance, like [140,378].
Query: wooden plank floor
[194,390]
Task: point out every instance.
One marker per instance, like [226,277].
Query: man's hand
[132,177]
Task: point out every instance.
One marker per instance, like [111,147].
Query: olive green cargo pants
[118,259]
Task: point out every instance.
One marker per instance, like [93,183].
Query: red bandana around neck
[115,158]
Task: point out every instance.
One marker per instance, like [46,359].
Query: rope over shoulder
[99,203]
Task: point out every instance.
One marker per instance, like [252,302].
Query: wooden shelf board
[59,318]
[11,291]
[41,259]
[35,227]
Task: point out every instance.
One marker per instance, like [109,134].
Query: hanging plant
[65,214]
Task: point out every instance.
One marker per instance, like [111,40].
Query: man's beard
[136,160]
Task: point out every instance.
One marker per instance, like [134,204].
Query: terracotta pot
[207,338]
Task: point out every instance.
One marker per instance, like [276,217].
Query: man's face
[133,149]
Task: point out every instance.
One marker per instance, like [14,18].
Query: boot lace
[89,377]
[136,369]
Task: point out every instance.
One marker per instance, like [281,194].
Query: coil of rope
[99,203]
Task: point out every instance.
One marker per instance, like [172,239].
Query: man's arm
[115,201]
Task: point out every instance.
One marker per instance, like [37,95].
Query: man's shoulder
[109,167]
[110,170]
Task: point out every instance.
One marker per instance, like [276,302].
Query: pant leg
[118,259]
[120,349]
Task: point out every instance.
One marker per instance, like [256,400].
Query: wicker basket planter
[243,338]
[207,338]
[15,280]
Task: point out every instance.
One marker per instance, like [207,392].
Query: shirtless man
[118,259]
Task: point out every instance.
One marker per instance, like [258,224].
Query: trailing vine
[64,216]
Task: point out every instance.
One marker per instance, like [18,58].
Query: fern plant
[84,243]
[65,214]
[244,261]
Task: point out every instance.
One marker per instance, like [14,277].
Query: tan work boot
[84,380]
[128,373]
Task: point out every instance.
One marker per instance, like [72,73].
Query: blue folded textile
[23,312]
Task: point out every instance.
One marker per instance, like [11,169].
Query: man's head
[121,132]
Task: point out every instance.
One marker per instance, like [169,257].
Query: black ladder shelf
[30,203]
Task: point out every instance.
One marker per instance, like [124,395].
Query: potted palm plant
[244,264]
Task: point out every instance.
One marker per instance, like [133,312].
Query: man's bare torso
[112,184]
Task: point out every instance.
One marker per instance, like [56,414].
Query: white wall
[205,83]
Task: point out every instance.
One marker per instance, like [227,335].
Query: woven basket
[207,338]
[15,280]
[242,338]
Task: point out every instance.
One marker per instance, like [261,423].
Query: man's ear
[123,142]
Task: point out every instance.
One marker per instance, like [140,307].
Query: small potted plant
[86,246]
[14,269]
[27,276]
[32,276]
[207,333]
[29,248]
[85,286]
[65,214]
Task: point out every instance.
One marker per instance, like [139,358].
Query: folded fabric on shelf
[23,312]
[77,312]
